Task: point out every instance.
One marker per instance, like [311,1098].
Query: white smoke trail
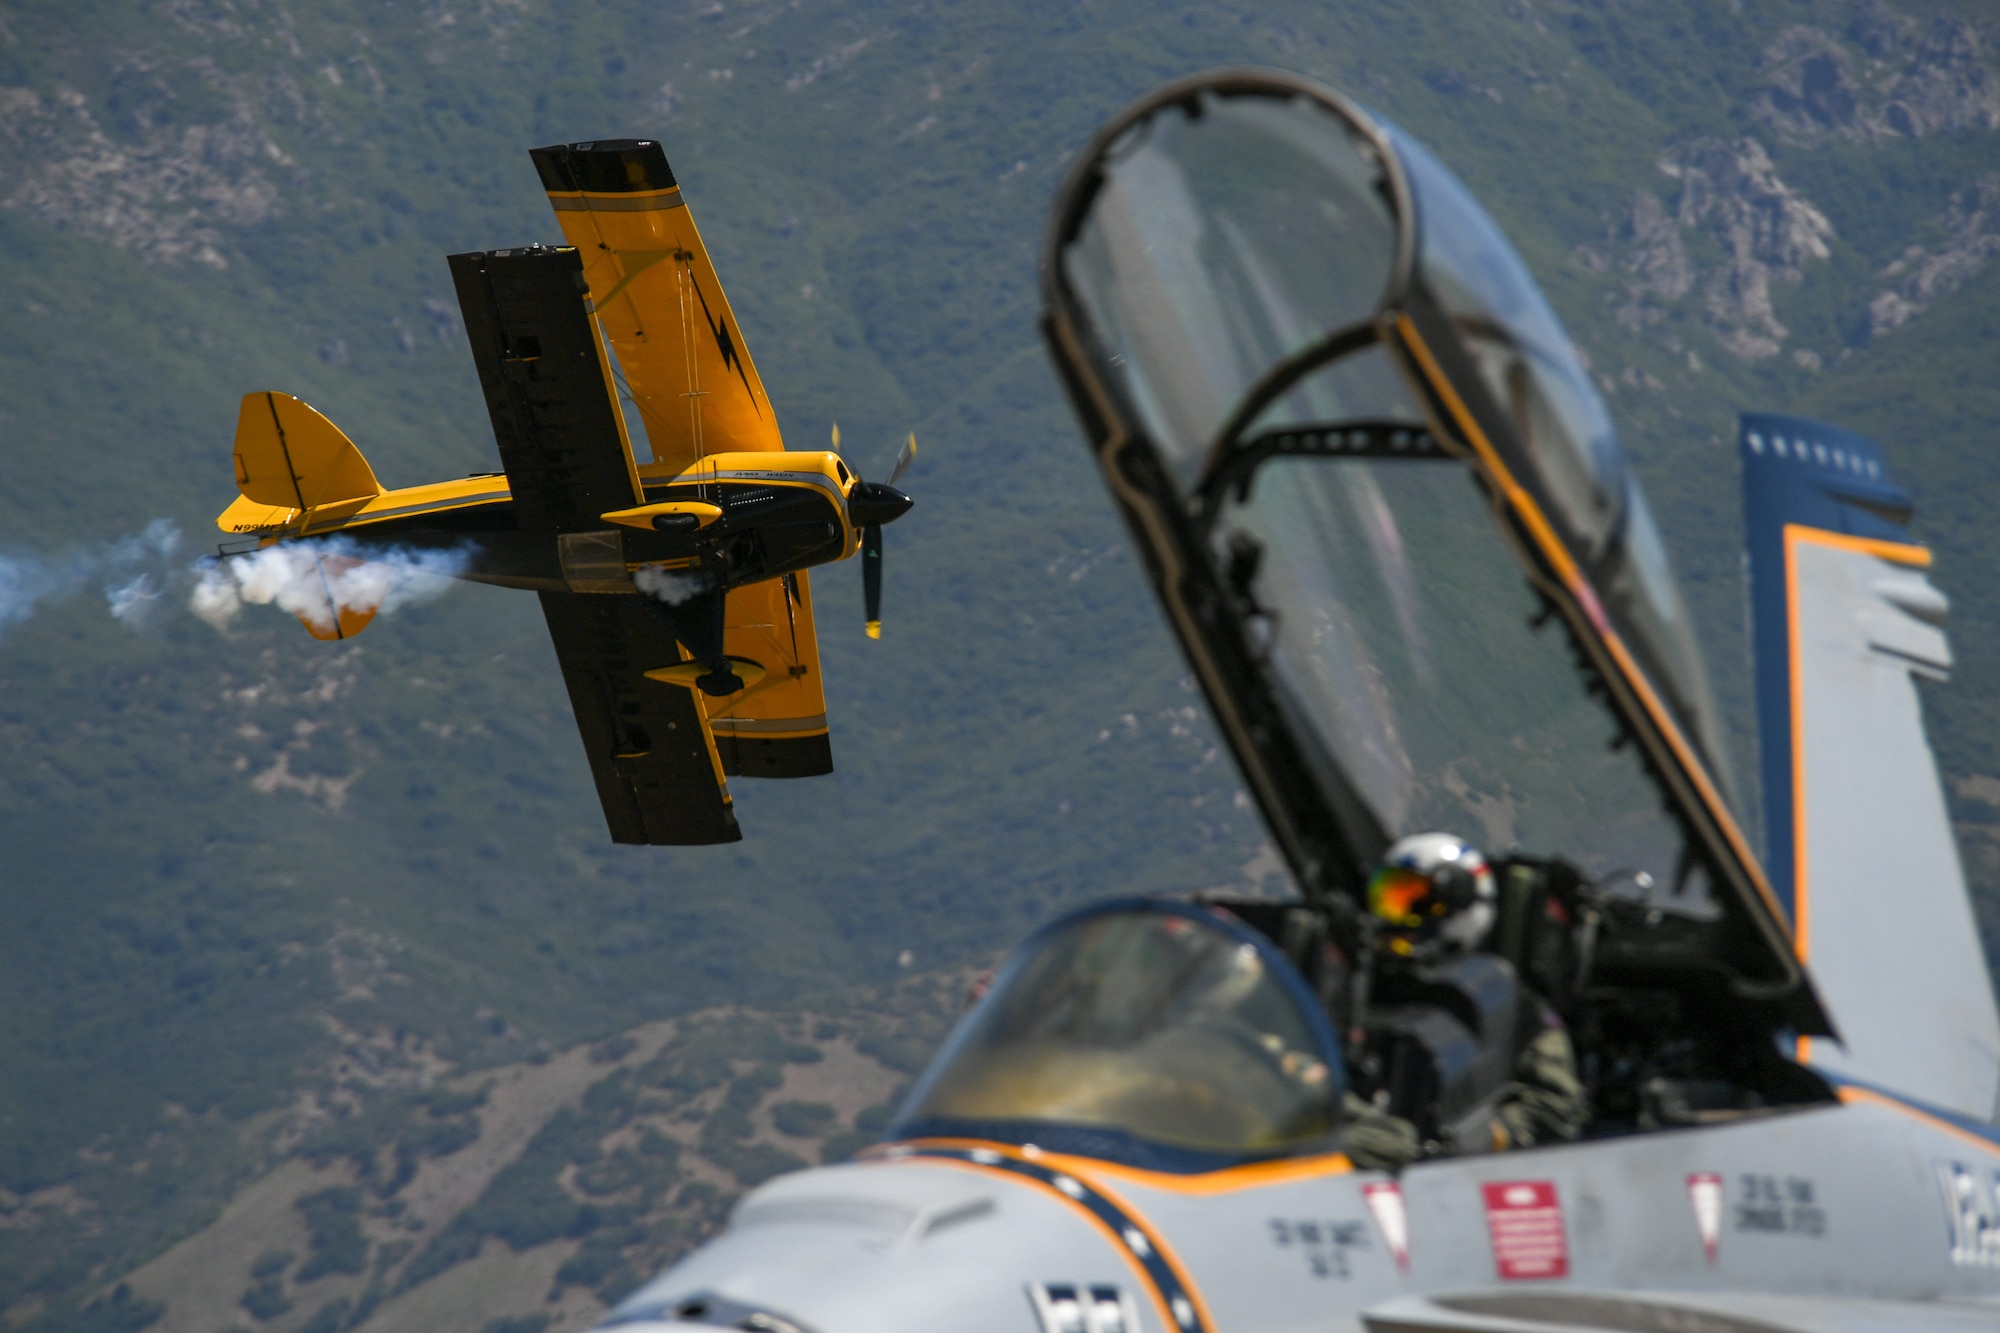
[28,580]
[657,581]
[317,580]
[140,577]
[133,603]
[132,598]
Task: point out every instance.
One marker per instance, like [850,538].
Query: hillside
[259,887]
[533,1195]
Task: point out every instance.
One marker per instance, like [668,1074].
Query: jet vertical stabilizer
[1861,848]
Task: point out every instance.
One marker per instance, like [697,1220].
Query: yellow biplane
[676,590]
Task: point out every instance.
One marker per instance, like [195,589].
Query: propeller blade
[836,437]
[871,576]
[904,458]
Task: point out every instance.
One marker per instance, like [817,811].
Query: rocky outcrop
[163,189]
[1891,77]
[1924,275]
[1729,229]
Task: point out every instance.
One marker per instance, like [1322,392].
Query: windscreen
[1158,1023]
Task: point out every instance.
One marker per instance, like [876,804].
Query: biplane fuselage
[675,589]
[744,517]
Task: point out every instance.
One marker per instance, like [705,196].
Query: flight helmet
[1433,886]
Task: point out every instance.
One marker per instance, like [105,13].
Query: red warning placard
[1526,1222]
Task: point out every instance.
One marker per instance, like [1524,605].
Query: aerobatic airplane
[676,590]
[1393,530]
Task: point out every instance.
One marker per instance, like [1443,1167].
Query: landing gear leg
[698,624]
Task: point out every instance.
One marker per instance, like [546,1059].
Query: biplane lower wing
[656,768]
[777,727]
[561,436]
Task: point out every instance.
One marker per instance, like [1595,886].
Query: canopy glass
[1167,1024]
[1222,250]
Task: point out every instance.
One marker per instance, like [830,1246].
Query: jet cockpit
[1392,529]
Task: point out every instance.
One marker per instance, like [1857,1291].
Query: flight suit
[1544,1102]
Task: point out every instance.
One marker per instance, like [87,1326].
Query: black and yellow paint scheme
[676,590]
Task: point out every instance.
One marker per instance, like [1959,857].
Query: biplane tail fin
[290,458]
[1860,844]
[292,463]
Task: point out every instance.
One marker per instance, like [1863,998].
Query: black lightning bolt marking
[791,582]
[724,344]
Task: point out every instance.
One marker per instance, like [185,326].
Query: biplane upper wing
[664,313]
[658,299]
[562,441]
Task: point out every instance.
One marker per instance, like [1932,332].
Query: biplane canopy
[1387,511]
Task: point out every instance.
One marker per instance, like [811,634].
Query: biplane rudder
[292,463]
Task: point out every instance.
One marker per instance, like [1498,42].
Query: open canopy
[1386,510]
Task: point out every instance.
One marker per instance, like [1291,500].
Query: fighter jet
[675,589]
[1393,530]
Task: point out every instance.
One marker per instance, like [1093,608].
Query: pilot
[1435,896]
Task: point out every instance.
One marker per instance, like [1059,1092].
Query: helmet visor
[1396,894]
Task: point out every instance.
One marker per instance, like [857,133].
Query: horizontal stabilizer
[346,623]
[290,457]
[1860,841]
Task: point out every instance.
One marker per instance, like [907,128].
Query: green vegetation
[266,1299]
[272,1263]
[803,1120]
[533,1323]
[329,1318]
[601,1265]
[750,1163]
[119,1312]
[332,1215]
[255,872]
[434,1124]
[870,1123]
